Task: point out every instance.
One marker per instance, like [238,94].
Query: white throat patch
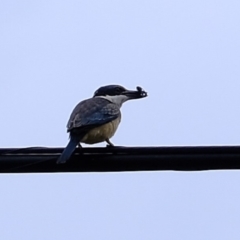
[118,99]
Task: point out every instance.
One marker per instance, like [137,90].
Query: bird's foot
[109,143]
[110,146]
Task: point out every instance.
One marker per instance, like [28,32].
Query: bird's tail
[68,151]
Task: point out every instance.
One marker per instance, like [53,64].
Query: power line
[116,159]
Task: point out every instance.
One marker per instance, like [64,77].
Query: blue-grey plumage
[92,112]
[96,119]
[69,149]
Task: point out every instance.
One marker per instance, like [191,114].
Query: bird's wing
[91,113]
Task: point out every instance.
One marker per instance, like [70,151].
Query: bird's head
[118,94]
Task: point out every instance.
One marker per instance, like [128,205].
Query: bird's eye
[118,90]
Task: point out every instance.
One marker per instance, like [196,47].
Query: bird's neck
[118,100]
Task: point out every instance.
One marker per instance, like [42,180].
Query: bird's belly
[101,133]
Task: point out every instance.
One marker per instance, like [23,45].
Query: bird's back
[91,113]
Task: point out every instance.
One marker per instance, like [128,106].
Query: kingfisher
[96,119]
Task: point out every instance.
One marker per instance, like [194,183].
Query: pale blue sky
[185,54]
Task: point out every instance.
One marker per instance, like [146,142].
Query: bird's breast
[101,133]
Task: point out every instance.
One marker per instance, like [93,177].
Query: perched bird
[96,119]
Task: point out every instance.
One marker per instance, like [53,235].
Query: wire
[113,159]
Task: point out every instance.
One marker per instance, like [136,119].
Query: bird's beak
[140,93]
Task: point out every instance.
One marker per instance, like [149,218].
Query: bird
[96,119]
